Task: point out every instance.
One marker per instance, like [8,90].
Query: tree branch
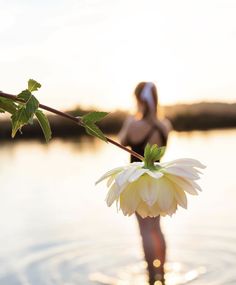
[72,118]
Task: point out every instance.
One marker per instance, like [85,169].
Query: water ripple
[109,262]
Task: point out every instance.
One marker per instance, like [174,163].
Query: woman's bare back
[138,130]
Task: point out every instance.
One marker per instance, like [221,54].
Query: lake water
[57,230]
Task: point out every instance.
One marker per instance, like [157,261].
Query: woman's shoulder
[134,125]
[129,119]
[134,122]
[166,124]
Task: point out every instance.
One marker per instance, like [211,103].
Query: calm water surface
[56,228]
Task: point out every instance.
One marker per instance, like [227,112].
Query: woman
[137,132]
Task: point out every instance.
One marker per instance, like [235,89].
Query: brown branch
[125,148]
[72,118]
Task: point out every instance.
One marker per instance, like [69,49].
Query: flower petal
[165,194]
[109,173]
[110,180]
[129,199]
[140,164]
[183,172]
[148,189]
[155,210]
[180,197]
[143,210]
[136,174]
[123,176]
[154,174]
[112,195]
[195,185]
[185,161]
[182,184]
[172,209]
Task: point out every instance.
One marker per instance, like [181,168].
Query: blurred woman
[136,132]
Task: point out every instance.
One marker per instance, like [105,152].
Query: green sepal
[161,152]
[33,85]
[151,154]
[147,150]
[44,124]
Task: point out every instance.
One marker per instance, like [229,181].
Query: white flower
[152,192]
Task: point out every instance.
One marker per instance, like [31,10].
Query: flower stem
[72,118]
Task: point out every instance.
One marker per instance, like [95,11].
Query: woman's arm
[168,125]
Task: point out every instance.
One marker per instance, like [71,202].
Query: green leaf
[24,95]
[44,124]
[19,119]
[93,130]
[93,117]
[26,111]
[31,103]
[31,121]
[89,121]
[7,105]
[33,85]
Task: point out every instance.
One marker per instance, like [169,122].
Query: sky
[94,52]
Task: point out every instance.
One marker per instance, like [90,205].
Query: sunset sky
[94,52]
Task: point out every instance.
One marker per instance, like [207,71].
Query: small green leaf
[89,121]
[31,103]
[93,130]
[31,121]
[24,95]
[19,119]
[25,112]
[33,85]
[93,117]
[7,105]
[44,124]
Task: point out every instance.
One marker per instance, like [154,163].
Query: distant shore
[200,116]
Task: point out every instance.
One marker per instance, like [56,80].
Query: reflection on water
[56,229]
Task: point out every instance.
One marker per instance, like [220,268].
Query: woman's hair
[146,95]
